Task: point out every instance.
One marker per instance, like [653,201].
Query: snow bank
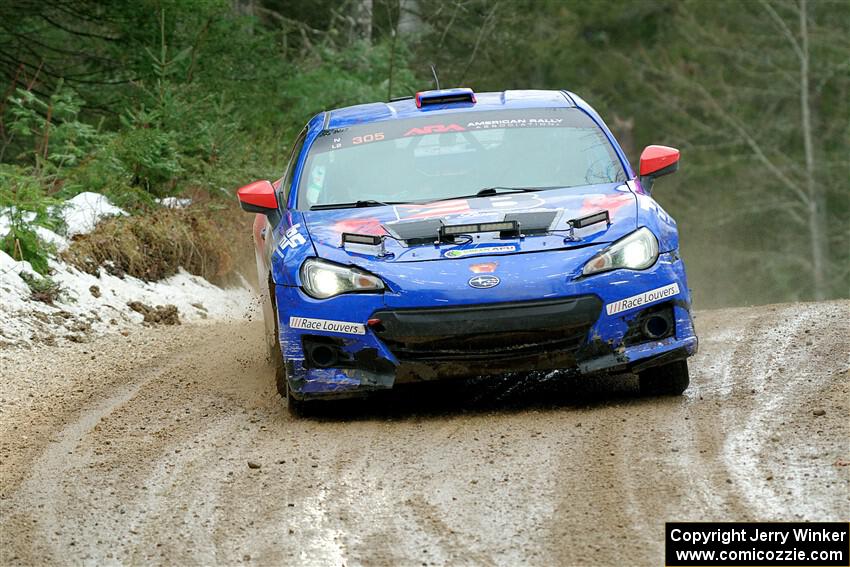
[94,305]
[82,213]
[45,234]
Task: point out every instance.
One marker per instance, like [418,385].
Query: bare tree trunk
[409,21]
[624,129]
[815,203]
[245,8]
[392,65]
[363,19]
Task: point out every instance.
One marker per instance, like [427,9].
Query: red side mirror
[258,197]
[658,160]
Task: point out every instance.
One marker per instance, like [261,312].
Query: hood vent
[512,225]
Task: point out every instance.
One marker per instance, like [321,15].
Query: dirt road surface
[136,450]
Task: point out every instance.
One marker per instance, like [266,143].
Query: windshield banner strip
[338,138]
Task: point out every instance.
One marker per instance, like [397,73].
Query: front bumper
[569,330]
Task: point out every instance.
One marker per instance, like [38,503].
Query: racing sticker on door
[641,299]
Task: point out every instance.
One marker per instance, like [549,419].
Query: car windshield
[458,154]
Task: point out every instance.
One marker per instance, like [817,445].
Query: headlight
[323,280]
[637,251]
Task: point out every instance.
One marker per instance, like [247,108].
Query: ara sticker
[327,325]
[641,299]
[462,252]
[434,129]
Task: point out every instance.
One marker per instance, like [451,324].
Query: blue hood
[326,227]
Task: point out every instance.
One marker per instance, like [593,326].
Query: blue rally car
[460,234]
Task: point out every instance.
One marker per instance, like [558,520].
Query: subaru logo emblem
[483,282]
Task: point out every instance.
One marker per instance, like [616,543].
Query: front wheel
[299,408]
[296,407]
[666,380]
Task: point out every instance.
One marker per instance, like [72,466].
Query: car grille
[491,332]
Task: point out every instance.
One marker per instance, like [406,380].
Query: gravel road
[171,446]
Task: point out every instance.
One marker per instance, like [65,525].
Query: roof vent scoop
[444,96]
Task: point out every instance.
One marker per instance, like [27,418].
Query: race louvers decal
[642,299]
[327,325]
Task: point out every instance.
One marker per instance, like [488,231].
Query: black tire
[281,379]
[298,408]
[670,379]
[279,366]
[295,407]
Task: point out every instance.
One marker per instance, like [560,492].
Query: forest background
[151,99]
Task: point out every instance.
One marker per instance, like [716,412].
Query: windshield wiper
[355,205]
[488,191]
[498,189]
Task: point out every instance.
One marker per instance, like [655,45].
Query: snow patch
[60,242]
[47,235]
[96,305]
[82,212]
[174,202]
[80,215]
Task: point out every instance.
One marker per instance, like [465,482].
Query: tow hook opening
[324,352]
[323,356]
[331,352]
[656,326]
[652,324]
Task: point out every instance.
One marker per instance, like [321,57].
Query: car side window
[286,186]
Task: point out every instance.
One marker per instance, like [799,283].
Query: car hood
[326,227]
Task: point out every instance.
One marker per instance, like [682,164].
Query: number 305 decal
[365,139]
